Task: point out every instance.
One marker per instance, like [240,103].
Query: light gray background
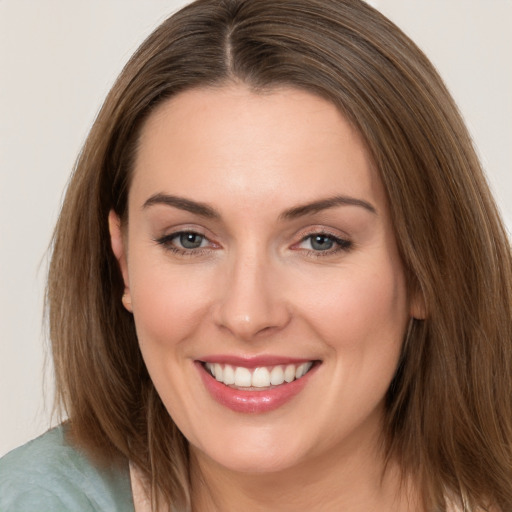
[58,58]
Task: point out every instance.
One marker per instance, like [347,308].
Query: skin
[258,286]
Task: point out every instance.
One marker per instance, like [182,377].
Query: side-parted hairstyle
[448,416]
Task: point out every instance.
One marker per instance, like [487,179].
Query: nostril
[262,320]
[251,302]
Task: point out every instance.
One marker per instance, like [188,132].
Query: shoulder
[48,473]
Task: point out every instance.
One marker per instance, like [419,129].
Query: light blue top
[50,475]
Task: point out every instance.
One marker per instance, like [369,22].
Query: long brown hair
[448,414]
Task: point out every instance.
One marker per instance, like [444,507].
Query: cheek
[168,302]
[362,318]
[359,302]
[169,305]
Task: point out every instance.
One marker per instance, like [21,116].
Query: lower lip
[253,402]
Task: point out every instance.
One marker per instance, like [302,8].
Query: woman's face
[258,246]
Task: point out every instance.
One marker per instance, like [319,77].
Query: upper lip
[253,361]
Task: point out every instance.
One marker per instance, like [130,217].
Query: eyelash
[341,244]
[167,242]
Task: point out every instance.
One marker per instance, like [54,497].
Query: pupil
[321,243]
[190,240]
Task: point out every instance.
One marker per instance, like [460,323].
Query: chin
[263,455]
[261,464]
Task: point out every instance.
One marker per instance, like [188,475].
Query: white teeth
[218,372]
[303,369]
[277,376]
[289,373]
[229,375]
[243,377]
[262,377]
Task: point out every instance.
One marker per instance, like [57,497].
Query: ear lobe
[118,248]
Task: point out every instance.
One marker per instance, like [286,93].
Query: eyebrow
[204,210]
[181,203]
[325,204]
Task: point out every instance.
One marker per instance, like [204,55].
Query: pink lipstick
[255,384]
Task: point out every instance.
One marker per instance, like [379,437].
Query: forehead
[286,144]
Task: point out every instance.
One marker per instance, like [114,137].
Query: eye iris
[321,242]
[190,240]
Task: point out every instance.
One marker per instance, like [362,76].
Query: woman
[278,282]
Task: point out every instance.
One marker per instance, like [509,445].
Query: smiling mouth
[257,379]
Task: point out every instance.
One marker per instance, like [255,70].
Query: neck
[356,480]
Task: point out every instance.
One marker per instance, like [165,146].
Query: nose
[252,302]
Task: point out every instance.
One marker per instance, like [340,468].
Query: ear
[417,308]
[119,249]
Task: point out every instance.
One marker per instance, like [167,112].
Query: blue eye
[321,242]
[184,242]
[189,240]
[324,243]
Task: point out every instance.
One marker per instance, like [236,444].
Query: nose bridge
[251,301]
